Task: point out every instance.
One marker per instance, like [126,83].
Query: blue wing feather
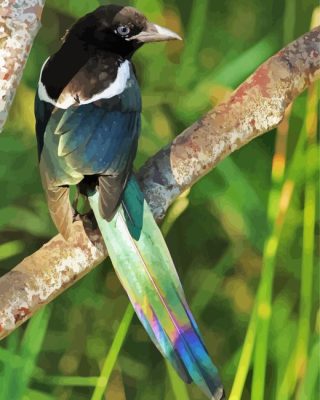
[76,128]
[103,144]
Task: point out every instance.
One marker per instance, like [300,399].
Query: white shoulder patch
[42,91]
[116,87]
[67,100]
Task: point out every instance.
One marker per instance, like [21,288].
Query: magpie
[88,110]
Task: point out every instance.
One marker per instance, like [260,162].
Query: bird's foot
[88,219]
[76,216]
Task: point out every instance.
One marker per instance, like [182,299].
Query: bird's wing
[99,138]
[57,196]
[96,141]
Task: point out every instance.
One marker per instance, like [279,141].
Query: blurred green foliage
[239,266]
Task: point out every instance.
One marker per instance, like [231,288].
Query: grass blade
[310,384]
[265,292]
[245,358]
[278,205]
[9,365]
[196,30]
[112,355]
[30,348]
[178,386]
[11,249]
[299,357]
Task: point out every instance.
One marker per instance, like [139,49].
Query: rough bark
[19,23]
[254,108]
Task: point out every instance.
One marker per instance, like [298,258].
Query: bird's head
[118,29]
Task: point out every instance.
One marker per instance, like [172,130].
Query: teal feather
[145,268]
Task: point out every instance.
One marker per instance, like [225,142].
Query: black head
[118,29]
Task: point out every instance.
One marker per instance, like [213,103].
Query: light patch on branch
[19,23]
[257,106]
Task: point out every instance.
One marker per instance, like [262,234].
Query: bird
[88,116]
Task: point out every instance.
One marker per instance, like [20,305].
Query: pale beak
[155,33]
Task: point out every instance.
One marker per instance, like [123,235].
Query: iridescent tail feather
[145,268]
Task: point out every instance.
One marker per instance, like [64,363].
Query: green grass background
[244,239]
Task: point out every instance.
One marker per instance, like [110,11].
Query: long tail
[145,268]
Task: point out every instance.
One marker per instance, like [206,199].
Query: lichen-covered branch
[257,106]
[19,23]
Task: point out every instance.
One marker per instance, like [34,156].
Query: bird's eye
[123,30]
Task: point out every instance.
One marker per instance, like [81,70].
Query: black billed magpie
[87,109]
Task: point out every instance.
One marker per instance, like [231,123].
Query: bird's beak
[155,33]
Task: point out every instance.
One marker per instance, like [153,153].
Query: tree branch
[257,106]
[19,24]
